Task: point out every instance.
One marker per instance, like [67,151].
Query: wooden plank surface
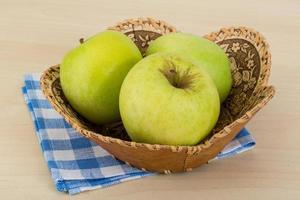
[35,34]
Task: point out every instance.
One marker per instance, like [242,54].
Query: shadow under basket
[250,65]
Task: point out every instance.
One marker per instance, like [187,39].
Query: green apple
[167,98]
[211,57]
[91,75]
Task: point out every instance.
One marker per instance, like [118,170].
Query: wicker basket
[251,61]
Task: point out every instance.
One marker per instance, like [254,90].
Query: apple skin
[91,75]
[155,111]
[209,54]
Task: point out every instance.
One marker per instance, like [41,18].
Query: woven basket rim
[158,24]
[259,41]
[227,33]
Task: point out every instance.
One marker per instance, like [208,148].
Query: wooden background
[35,34]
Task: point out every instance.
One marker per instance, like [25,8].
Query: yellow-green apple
[166,98]
[91,75]
[210,56]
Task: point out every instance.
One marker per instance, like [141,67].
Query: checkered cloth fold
[76,163]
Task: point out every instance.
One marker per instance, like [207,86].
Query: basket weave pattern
[250,65]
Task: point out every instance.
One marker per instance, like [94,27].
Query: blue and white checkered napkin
[77,164]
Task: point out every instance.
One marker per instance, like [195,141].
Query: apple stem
[81,40]
[182,80]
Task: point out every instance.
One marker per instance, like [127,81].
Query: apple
[167,98]
[210,56]
[91,75]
